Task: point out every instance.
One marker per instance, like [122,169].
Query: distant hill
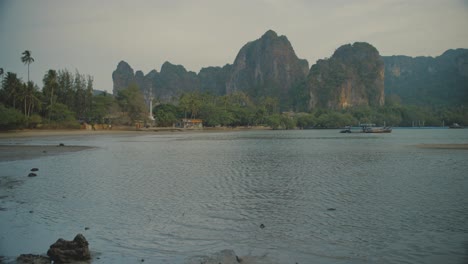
[442,80]
[98,92]
[355,75]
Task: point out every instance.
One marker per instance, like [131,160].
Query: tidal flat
[181,197]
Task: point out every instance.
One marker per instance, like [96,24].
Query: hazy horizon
[92,37]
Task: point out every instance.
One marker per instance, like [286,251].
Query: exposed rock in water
[32,259]
[32,174]
[353,76]
[34,169]
[64,251]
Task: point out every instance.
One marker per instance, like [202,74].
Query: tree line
[67,99]
[238,109]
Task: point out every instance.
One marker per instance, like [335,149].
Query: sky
[92,37]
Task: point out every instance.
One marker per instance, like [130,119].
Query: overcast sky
[93,36]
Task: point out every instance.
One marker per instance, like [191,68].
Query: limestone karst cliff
[428,80]
[353,76]
[267,67]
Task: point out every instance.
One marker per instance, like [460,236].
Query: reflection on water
[166,198]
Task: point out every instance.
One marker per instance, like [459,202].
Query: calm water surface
[166,198]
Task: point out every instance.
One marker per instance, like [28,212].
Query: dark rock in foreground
[32,174]
[32,259]
[64,251]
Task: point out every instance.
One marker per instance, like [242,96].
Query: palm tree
[27,59]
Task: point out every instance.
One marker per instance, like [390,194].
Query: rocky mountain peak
[267,67]
[123,76]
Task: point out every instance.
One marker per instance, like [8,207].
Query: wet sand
[23,152]
[119,131]
[443,146]
[51,133]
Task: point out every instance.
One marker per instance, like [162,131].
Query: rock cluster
[64,251]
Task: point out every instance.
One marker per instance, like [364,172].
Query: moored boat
[455,125]
[377,130]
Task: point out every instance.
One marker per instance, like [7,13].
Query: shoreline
[116,131]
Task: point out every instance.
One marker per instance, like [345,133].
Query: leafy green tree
[65,88]
[131,102]
[27,59]
[104,108]
[166,115]
[11,87]
[274,121]
[60,112]
[305,121]
[50,83]
[29,96]
[10,118]
[191,103]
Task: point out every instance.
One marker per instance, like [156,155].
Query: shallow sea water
[167,198]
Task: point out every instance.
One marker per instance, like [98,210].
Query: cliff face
[213,79]
[267,67]
[428,80]
[169,83]
[174,80]
[353,76]
[123,76]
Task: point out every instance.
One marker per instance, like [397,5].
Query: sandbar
[25,152]
[443,146]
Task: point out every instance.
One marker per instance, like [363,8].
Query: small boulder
[64,251]
[34,169]
[61,145]
[32,174]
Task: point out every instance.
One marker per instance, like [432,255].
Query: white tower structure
[151,117]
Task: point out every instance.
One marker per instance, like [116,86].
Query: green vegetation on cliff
[353,76]
[425,81]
